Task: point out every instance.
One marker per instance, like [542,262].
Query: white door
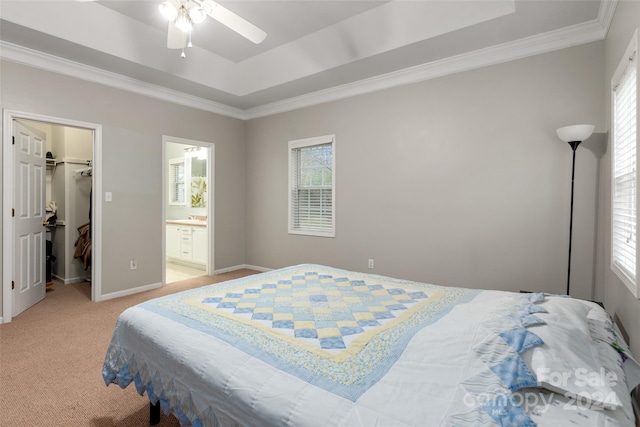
[29,246]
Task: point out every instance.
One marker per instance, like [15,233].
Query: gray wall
[132,127]
[459,180]
[617,298]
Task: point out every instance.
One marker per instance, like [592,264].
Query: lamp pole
[574,146]
[573,135]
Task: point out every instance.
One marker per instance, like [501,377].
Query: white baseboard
[76,280]
[127,292]
[159,285]
[257,268]
[196,265]
[70,281]
[1,320]
[240,267]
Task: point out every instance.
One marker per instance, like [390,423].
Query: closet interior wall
[72,149]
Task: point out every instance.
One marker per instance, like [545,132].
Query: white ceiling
[315,50]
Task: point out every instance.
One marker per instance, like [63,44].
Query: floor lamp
[574,135]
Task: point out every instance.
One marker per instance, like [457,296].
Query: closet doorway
[188,208]
[68,190]
[71,218]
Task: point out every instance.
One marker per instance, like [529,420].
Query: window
[624,158]
[177,187]
[312,186]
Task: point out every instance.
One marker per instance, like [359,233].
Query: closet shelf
[57,224]
[52,164]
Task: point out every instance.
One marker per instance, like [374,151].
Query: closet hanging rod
[76,161]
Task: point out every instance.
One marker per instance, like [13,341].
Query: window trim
[303,143]
[632,49]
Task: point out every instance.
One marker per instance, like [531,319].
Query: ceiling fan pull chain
[189,44]
[182,55]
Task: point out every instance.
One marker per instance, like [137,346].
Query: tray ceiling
[315,51]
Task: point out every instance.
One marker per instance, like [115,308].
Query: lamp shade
[169,10]
[197,15]
[575,132]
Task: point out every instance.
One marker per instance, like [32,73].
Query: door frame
[8,117]
[210,147]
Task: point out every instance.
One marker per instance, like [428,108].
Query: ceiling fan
[184,14]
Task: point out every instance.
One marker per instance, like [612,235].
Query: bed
[311,345]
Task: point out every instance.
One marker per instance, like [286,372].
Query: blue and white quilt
[314,345]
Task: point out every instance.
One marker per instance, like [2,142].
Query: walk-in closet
[68,202]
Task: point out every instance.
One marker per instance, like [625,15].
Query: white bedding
[444,372]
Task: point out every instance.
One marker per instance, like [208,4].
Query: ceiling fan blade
[233,21]
[176,38]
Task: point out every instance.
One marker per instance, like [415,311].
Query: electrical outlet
[134,264]
[370,263]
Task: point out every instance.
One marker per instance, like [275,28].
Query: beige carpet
[51,361]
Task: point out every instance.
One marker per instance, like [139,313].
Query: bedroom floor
[176,272]
[52,355]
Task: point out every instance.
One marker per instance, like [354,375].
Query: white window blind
[311,186]
[624,257]
[177,189]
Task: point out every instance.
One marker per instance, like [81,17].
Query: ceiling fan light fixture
[183,22]
[184,15]
[208,6]
[197,15]
[168,10]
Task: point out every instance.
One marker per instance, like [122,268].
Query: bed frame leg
[154,413]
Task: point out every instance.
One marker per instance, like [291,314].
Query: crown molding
[587,32]
[543,43]
[37,59]
[605,14]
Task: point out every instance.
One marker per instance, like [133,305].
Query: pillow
[568,362]
[613,355]
[605,330]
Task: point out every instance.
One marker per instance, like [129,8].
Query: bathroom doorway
[188,208]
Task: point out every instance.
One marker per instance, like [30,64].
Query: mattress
[311,345]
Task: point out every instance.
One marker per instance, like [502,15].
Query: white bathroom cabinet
[187,245]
